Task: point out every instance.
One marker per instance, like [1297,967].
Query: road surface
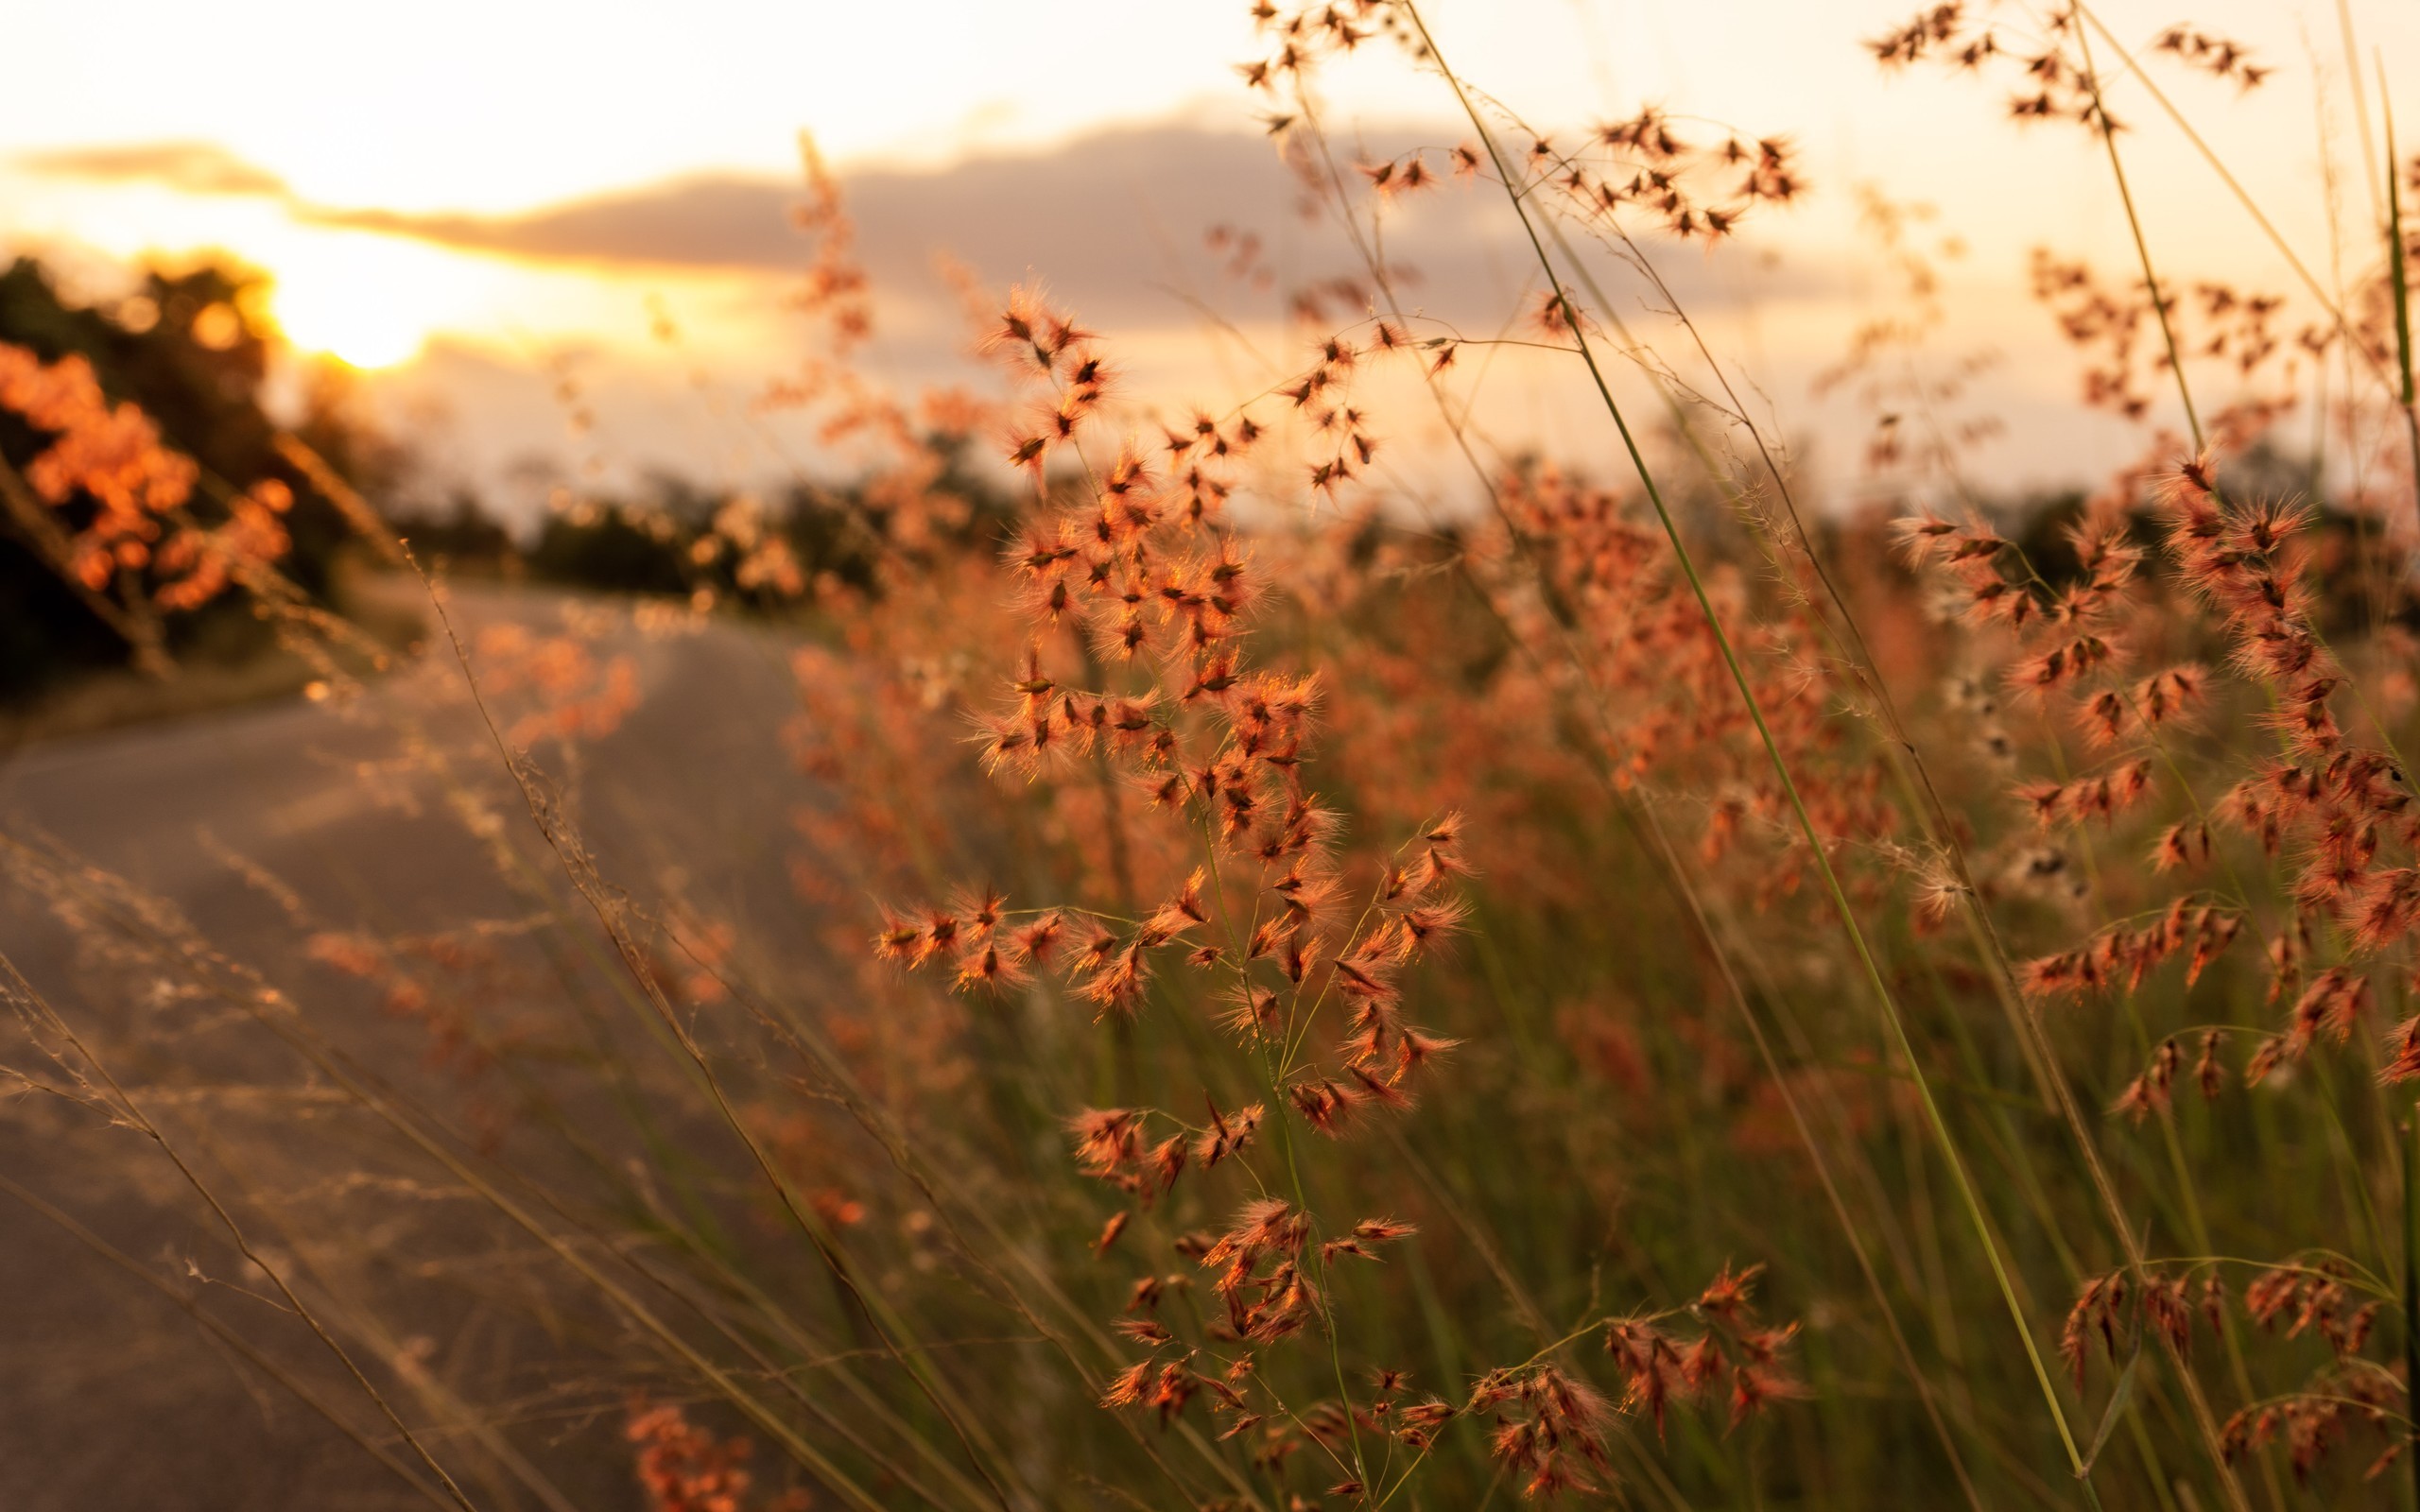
[111,1397]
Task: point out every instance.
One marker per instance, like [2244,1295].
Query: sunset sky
[468,200]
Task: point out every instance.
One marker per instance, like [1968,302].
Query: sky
[474,205]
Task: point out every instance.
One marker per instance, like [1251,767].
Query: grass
[1295,999]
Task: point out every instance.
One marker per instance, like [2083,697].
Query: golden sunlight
[369,302]
[1254,756]
[357,330]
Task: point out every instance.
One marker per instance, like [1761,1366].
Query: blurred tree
[189,350]
[460,534]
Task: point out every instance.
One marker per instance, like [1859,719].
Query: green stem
[1285,1141]
[2402,293]
[1773,750]
[2135,225]
[2412,1286]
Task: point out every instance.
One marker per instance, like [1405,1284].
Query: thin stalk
[1738,995]
[272,1011]
[945,1200]
[877,1313]
[2360,105]
[1285,1141]
[2401,282]
[126,1108]
[2135,225]
[2243,197]
[1940,1126]
[1674,876]
[2411,1143]
[225,1335]
[2195,1397]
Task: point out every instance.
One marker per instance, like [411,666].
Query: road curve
[112,1397]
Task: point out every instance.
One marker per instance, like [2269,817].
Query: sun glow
[376,302]
[366,301]
[352,325]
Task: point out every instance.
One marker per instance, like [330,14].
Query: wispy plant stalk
[1814,839]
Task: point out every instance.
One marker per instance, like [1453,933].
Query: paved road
[110,1396]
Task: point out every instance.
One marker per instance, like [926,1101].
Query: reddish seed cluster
[1322,397]
[1162,1388]
[2118,958]
[2102,797]
[1135,596]
[2114,714]
[1165,1386]
[1550,1424]
[556,685]
[2070,646]
[2311,1424]
[2340,803]
[1689,190]
[1732,1352]
[1645,163]
[1132,691]
[2290,1300]
[2212,55]
[2341,810]
[1334,1428]
[1031,338]
[2302,1299]
[1265,1286]
[2244,562]
[1931,32]
[1147,580]
[1406,174]
[427,978]
[2346,809]
[2336,1001]
[1241,254]
[2151,1092]
[1550,1428]
[2353,1393]
[2099,1310]
[1262,1278]
[2048,86]
[683,1468]
[990,952]
[2240,329]
[2312,1299]
[2073,627]
[1663,701]
[1297,39]
[1110,1145]
[2118,330]
[835,290]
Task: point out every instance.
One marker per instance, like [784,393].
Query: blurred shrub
[740,549]
[189,351]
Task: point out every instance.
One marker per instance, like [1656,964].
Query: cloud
[1117,220]
[191,167]
[706,222]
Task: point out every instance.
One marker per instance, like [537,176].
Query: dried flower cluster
[2287,1301]
[683,1468]
[107,470]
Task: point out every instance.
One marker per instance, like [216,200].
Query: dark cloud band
[1117,221]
